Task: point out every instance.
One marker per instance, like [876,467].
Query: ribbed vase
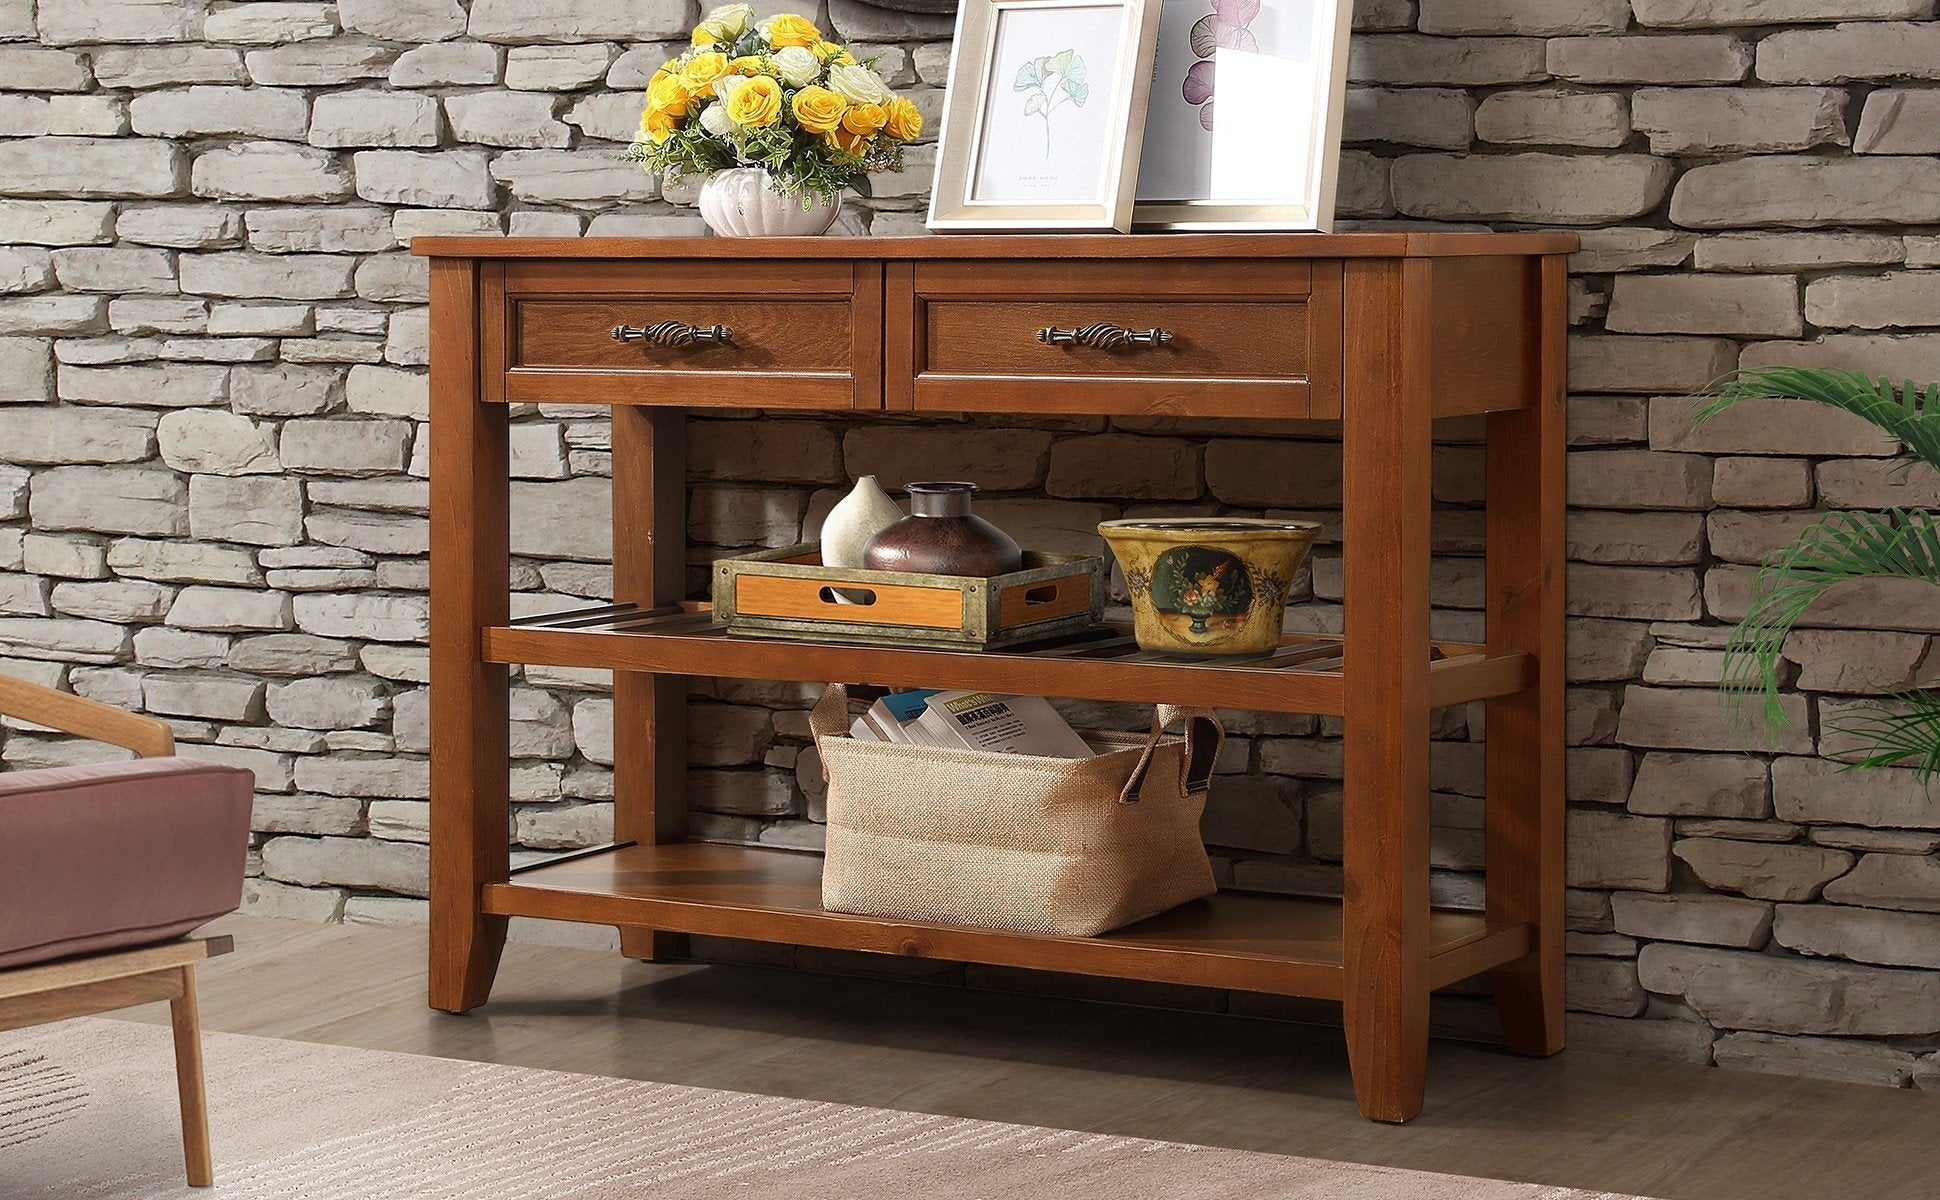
[742,202]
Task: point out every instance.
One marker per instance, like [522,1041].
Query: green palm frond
[1895,544]
[1907,732]
[1907,411]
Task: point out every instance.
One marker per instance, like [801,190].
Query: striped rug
[87,1112]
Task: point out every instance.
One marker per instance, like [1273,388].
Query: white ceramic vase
[742,202]
[862,514]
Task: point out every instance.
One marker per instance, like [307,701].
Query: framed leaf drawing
[1041,122]
[1243,126]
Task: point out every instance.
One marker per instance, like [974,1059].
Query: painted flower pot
[742,202]
[1209,585]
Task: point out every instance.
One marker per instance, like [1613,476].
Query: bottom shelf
[1285,945]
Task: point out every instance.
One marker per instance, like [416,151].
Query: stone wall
[212,350]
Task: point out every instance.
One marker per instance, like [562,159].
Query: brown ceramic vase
[941,537]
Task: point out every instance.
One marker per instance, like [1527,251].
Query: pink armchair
[105,868]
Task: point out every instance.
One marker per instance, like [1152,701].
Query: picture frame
[1043,118]
[1243,124]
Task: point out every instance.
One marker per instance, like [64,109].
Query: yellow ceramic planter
[1209,585]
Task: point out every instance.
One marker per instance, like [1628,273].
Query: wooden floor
[1580,1120]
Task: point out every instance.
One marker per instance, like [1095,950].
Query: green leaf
[1028,76]
[1059,63]
[1907,412]
[1896,544]
[1906,733]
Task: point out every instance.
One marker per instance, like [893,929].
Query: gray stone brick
[524,119]
[277,276]
[262,511]
[121,21]
[1861,50]
[1614,850]
[1803,192]
[345,447]
[523,21]
[57,222]
[1699,14]
[559,68]
[271,24]
[402,20]
[204,111]
[319,64]
[110,500]
[1686,59]
[269,171]
[1524,17]
[79,435]
[154,65]
[1552,117]
[1899,121]
[1546,188]
[1785,995]
[84,167]
[453,179]
[572,177]
[1701,919]
[229,610]
[31,69]
[1863,935]
[451,64]
[1703,121]
[374,118]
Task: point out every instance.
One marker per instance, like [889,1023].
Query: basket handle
[830,716]
[1204,736]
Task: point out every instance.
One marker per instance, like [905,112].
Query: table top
[1369,244]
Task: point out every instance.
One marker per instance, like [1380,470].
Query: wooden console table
[1383,332]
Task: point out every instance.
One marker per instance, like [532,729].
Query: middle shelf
[1306,674]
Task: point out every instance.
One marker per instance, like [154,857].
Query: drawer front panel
[770,336]
[1208,341]
[740,335]
[1238,338]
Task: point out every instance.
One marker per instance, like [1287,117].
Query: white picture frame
[1043,118]
[1242,126]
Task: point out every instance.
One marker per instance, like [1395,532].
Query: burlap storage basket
[1010,841]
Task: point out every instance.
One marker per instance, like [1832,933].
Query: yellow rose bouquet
[774,94]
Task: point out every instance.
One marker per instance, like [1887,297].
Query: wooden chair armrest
[146,736]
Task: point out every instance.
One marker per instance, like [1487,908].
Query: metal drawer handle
[677,334]
[1104,336]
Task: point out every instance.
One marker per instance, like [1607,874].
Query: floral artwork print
[1052,81]
[1224,27]
[1201,583]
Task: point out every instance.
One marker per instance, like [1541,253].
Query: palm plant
[1895,544]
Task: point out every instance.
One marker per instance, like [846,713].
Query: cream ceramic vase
[862,514]
[742,202]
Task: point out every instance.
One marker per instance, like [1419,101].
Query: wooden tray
[789,593]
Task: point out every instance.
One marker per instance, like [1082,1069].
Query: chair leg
[187,1024]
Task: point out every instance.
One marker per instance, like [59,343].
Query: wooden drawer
[1242,338]
[798,334]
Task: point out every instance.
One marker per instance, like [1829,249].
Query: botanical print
[1226,25]
[1051,81]
[1046,123]
[1260,57]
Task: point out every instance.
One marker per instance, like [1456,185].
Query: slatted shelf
[1305,674]
[1246,940]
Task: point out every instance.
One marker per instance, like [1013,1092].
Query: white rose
[858,85]
[797,65]
[715,120]
[726,86]
[727,22]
